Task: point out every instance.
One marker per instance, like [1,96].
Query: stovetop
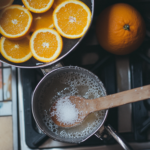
[118,73]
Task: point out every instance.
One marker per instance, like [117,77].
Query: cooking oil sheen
[72,84]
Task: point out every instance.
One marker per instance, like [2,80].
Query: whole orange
[120,29]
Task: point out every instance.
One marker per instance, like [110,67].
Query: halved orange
[38,6]
[46,44]
[72,19]
[57,2]
[43,20]
[5,3]
[15,22]
[16,51]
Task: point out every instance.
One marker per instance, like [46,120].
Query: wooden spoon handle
[121,98]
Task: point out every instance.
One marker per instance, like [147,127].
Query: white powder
[65,111]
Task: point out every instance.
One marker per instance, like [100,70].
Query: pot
[49,89]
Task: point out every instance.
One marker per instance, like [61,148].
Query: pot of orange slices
[39,33]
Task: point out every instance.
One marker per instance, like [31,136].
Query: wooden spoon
[87,106]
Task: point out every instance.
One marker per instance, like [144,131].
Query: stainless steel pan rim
[106,113]
[60,58]
[61,68]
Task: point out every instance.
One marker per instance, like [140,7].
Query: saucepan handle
[51,68]
[117,137]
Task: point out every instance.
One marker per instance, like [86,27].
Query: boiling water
[67,84]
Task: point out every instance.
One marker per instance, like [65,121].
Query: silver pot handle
[50,68]
[120,140]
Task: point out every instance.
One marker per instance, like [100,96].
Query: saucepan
[68,45]
[65,81]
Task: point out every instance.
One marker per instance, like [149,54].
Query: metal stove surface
[115,79]
[116,72]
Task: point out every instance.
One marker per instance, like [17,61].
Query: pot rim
[32,102]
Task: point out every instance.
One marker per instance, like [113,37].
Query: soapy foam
[66,84]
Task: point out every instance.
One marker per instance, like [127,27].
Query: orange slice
[15,22]
[17,51]
[72,19]
[5,3]
[57,2]
[46,44]
[43,20]
[38,6]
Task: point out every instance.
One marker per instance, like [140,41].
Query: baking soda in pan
[69,84]
[65,111]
